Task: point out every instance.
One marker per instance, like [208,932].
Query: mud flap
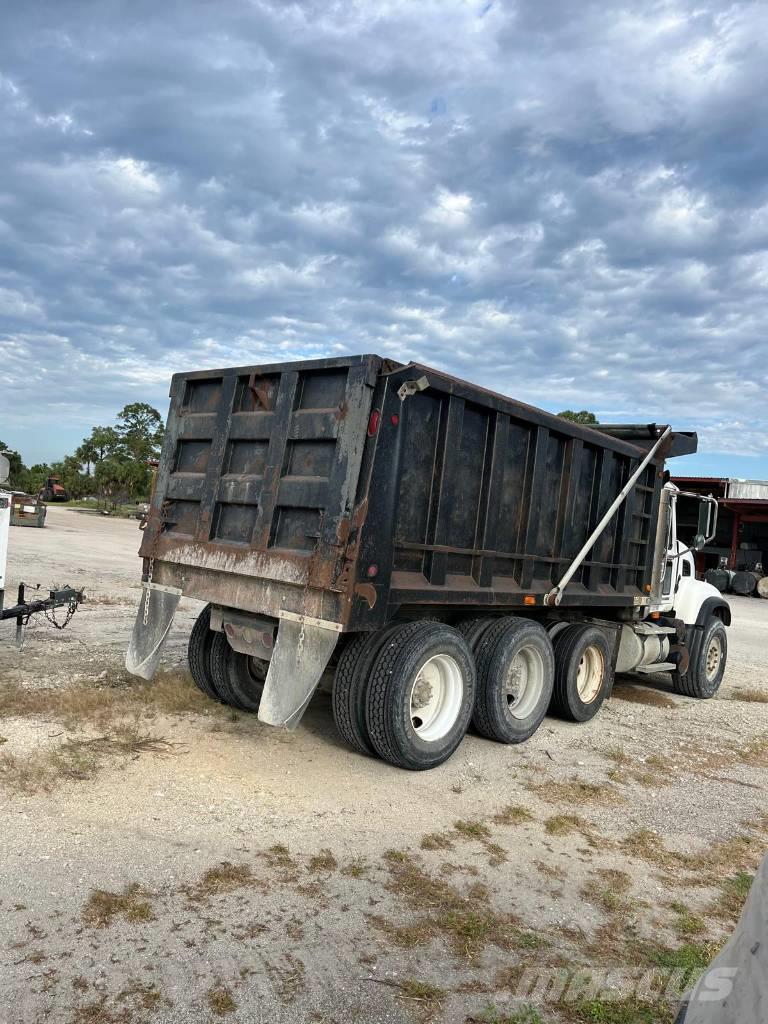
[147,642]
[300,657]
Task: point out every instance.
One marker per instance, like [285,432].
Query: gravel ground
[327,907]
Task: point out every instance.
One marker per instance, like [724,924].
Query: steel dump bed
[348,490]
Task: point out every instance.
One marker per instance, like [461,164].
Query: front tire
[515,672]
[583,674]
[707,665]
[420,695]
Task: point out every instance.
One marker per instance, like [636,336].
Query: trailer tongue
[436,544]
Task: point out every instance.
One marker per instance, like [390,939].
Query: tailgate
[260,467]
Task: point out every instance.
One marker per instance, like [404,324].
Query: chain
[148,591]
[71,609]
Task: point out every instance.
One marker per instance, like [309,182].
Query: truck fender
[711,606]
[302,652]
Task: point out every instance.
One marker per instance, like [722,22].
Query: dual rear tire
[222,673]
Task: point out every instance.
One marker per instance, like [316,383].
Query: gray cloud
[564,202]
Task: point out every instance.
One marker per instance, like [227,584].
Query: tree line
[112,463]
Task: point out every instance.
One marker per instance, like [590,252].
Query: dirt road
[165,859]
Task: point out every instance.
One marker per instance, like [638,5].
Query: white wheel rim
[436,697]
[524,682]
[714,654]
[590,673]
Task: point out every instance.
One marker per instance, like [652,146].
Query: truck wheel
[473,630]
[420,695]
[707,665]
[350,688]
[515,672]
[582,672]
[239,684]
[199,654]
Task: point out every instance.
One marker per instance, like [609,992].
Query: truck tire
[199,654]
[231,676]
[515,673]
[420,695]
[350,688]
[474,629]
[583,674]
[707,665]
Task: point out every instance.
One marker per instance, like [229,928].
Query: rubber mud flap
[147,642]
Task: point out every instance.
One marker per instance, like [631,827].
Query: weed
[751,696]
[575,792]
[565,824]
[615,1011]
[691,958]
[687,923]
[472,829]
[323,861]
[436,841]
[223,878]
[734,892]
[422,992]
[512,814]
[523,1015]
[220,1000]
[357,868]
[102,907]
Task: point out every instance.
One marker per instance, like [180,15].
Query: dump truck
[446,554]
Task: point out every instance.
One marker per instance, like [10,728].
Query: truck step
[660,666]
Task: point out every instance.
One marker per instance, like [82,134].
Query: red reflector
[373,422]
[395,419]
[373,570]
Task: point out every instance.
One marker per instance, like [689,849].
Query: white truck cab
[683,628]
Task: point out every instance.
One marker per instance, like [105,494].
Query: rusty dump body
[348,491]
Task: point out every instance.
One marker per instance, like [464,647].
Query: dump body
[351,490]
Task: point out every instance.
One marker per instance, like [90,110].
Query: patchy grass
[436,841]
[472,829]
[76,759]
[750,695]
[686,922]
[132,904]
[512,814]
[428,996]
[358,867]
[576,792]
[565,824]
[220,1000]
[170,693]
[323,861]
[608,889]
[615,1011]
[690,958]
[224,878]
[733,895]
[465,919]
[523,1015]
[651,771]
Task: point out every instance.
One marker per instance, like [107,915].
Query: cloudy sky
[567,202]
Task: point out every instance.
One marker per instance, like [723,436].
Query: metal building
[742,531]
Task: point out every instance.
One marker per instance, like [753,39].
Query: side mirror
[705,530]
[5,469]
